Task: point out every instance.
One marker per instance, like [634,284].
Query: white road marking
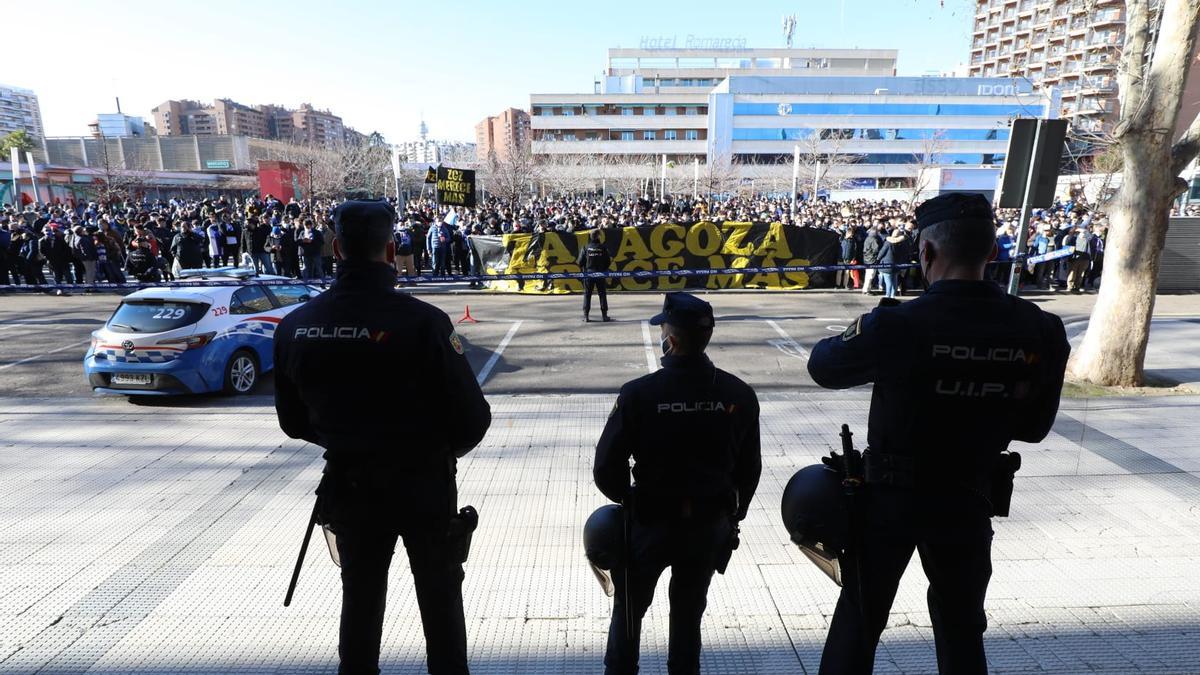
[491,363]
[836,328]
[651,359]
[17,325]
[785,343]
[38,356]
[825,318]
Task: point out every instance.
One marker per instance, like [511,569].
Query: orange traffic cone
[466,317]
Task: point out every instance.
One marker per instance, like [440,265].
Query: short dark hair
[690,340]
[366,242]
[967,242]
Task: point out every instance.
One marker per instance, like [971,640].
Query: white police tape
[467,278]
[1052,255]
[477,278]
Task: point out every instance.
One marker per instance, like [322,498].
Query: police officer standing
[958,373]
[692,430]
[595,258]
[344,372]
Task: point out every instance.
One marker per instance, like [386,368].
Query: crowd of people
[53,244]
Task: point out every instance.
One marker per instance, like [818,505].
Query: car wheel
[241,373]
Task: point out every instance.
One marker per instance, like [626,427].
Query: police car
[192,340]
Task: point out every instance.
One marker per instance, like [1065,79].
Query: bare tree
[1153,69]
[510,177]
[925,161]
[719,176]
[118,181]
[823,158]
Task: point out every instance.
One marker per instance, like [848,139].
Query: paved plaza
[158,537]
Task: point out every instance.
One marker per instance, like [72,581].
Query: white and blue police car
[193,339]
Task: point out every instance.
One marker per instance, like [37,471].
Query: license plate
[131,378]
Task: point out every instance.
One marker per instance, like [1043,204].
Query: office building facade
[655,101]
[119,125]
[867,128]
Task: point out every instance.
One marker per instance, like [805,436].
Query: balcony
[1098,65]
[1109,17]
[619,147]
[1102,85]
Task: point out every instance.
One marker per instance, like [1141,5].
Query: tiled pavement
[138,541]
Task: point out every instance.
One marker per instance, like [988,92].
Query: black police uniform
[692,430]
[595,258]
[344,376]
[958,374]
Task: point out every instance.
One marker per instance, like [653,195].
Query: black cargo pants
[951,531]
[368,516]
[690,548]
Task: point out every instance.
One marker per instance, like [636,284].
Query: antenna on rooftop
[789,28]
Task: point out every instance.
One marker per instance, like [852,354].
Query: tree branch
[1133,66]
[1186,148]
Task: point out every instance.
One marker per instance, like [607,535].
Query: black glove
[836,462]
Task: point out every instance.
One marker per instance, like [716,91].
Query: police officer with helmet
[959,373]
[692,431]
[344,376]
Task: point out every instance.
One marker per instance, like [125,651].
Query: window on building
[670,110]
[691,135]
[648,111]
[568,111]
[626,111]
[545,112]
[647,135]
[627,135]
[692,110]
[669,135]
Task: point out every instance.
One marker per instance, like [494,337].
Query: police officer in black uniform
[692,430]
[595,258]
[345,373]
[958,373]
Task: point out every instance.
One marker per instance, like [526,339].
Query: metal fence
[218,154]
[1180,270]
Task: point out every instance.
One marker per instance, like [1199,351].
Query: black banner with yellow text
[723,248]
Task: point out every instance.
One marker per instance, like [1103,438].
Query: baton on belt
[312,522]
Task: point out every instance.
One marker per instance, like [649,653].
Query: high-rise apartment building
[319,128]
[499,136]
[1071,45]
[305,125]
[19,111]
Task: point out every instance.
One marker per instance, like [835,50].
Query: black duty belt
[887,469]
[678,507]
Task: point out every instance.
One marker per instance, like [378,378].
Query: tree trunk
[1114,350]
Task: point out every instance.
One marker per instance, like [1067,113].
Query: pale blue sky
[380,65]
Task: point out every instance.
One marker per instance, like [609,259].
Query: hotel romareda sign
[691,42]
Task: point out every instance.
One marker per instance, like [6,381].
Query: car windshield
[155,316]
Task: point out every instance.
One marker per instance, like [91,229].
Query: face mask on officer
[925,256]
